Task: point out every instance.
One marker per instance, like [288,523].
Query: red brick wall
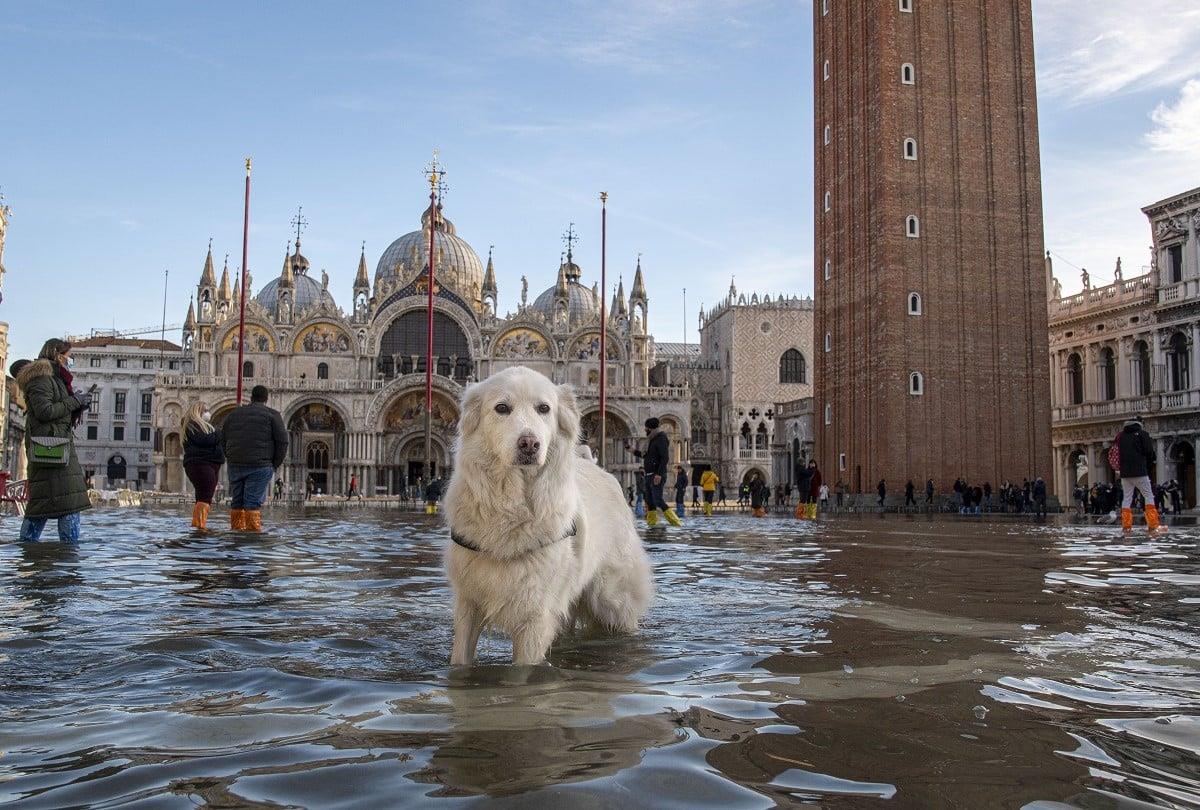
[977,263]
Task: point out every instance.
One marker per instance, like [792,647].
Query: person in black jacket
[202,459]
[255,444]
[1136,449]
[681,483]
[654,461]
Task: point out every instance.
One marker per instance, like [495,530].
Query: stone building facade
[350,383]
[754,354]
[1129,348]
[115,441]
[930,317]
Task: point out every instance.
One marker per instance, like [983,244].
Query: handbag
[49,451]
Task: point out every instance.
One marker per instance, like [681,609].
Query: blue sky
[125,125]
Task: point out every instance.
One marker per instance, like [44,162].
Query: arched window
[908,74]
[916,384]
[828,200]
[824,7]
[828,414]
[910,148]
[404,340]
[792,368]
[1108,374]
[828,342]
[825,70]
[914,303]
[827,133]
[912,226]
[1075,378]
[760,438]
[317,457]
[322,371]
[1141,368]
[906,5]
[1177,362]
[828,269]
[247,369]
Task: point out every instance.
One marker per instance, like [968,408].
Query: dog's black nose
[528,443]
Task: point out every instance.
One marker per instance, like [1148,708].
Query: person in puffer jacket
[255,444]
[1136,449]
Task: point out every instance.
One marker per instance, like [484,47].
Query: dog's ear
[568,414]
[472,402]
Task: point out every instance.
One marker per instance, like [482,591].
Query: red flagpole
[603,322]
[242,316]
[433,213]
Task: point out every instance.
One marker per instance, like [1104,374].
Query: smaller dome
[307,292]
[581,304]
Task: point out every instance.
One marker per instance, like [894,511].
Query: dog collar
[469,546]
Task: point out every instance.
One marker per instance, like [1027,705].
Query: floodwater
[851,663]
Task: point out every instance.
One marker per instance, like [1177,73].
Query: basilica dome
[457,265]
[581,300]
[307,292]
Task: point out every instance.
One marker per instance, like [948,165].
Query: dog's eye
[543,408]
[503,408]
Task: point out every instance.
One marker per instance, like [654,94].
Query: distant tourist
[53,409]
[823,497]
[1039,498]
[929,492]
[804,482]
[433,494]
[909,496]
[681,485]
[278,489]
[839,493]
[721,495]
[202,459]
[757,491]
[708,483]
[987,495]
[1135,450]
[882,490]
[256,444]
[310,487]
[352,489]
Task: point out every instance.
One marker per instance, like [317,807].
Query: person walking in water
[708,483]
[909,494]
[681,483]
[255,444]
[352,490]
[202,459]
[757,496]
[882,490]
[654,460]
[1136,454]
[57,488]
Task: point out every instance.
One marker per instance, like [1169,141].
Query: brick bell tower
[931,336]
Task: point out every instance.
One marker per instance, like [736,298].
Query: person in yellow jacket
[708,483]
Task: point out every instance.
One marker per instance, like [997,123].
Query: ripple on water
[845,663]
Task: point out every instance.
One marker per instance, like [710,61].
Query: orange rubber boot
[200,515]
[1127,520]
[237,520]
[1153,524]
[252,520]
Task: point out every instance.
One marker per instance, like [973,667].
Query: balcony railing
[1186,290]
[273,383]
[1127,406]
[754,453]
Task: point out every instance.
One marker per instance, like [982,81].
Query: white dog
[541,536]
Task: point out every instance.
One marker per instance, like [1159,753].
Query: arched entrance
[1182,460]
[115,471]
[317,434]
[404,424]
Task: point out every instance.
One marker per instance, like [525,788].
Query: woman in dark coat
[202,460]
[757,496]
[56,484]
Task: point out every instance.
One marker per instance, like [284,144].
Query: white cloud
[1090,50]
[1177,126]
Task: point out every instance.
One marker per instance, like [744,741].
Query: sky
[124,126]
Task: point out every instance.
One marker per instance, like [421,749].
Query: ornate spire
[361,279]
[638,293]
[287,278]
[732,289]
[189,323]
[489,275]
[207,278]
[224,293]
[560,287]
[619,309]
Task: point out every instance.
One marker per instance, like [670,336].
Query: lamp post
[242,314]
[603,325]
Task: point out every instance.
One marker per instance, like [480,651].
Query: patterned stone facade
[930,319]
[1130,348]
[350,385]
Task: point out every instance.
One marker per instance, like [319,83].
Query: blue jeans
[68,529]
[248,486]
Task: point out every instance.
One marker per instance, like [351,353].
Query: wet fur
[530,592]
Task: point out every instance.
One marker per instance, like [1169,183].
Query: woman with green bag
[53,409]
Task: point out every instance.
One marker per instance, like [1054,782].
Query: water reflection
[853,663]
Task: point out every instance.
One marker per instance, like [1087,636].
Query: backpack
[1114,454]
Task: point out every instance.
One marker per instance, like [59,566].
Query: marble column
[1194,356]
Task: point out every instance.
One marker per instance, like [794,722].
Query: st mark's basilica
[351,383]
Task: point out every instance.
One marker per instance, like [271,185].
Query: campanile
[931,335]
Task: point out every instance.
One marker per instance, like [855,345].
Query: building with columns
[351,383]
[1130,347]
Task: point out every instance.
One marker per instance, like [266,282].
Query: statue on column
[524,291]
[1087,279]
[1118,274]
